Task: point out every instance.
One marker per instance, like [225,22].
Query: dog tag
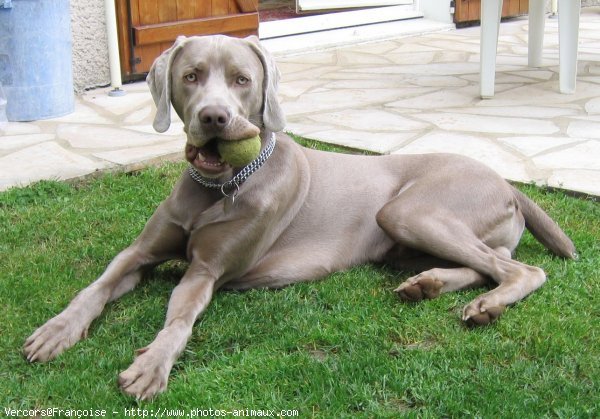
[234,190]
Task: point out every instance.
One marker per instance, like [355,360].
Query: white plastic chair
[568,38]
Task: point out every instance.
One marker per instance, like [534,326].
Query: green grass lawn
[342,347]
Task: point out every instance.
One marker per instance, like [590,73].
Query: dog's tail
[544,229]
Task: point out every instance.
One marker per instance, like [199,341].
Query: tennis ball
[239,153]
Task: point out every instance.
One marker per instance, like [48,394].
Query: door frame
[295,26]
[310,5]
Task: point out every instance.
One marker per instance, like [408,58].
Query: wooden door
[148,27]
[470,10]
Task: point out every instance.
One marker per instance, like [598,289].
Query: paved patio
[409,94]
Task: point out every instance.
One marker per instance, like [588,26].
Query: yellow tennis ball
[241,152]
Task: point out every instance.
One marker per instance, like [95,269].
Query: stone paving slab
[103,133]
[47,160]
[408,94]
[427,94]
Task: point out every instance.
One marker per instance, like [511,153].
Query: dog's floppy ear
[159,80]
[273,117]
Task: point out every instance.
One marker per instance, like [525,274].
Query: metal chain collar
[232,187]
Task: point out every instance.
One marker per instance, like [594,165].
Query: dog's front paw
[146,377]
[53,338]
[481,312]
[419,287]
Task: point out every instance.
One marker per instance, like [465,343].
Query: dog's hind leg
[433,282]
[444,236]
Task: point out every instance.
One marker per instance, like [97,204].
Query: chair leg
[568,38]
[491,12]
[537,21]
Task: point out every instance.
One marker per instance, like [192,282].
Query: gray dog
[296,214]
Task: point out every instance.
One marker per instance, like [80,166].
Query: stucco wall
[90,51]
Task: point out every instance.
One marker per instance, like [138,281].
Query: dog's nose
[214,117]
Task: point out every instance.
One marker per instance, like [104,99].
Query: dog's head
[221,88]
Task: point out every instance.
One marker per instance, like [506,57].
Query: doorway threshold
[300,43]
[335,20]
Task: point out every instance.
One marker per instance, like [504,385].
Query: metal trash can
[36,71]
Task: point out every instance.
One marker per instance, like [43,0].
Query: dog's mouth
[203,154]
[206,159]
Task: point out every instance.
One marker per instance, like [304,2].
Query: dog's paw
[146,377]
[419,287]
[54,337]
[481,313]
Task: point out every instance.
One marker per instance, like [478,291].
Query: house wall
[90,51]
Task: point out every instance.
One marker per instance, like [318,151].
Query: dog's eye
[242,80]
[191,77]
